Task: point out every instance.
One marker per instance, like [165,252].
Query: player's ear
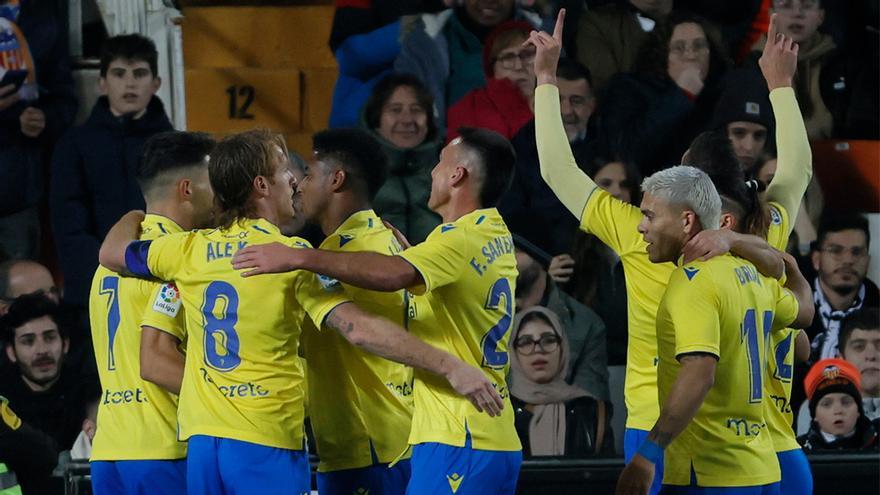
[184,189]
[339,178]
[261,186]
[728,221]
[688,221]
[458,175]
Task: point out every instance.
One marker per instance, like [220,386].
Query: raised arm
[558,166]
[794,166]
[383,338]
[710,243]
[126,231]
[695,378]
[366,270]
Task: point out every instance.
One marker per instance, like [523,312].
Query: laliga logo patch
[775,218]
[328,283]
[168,300]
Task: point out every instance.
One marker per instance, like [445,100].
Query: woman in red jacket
[504,105]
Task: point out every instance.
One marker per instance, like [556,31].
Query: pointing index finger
[772,29]
[557,30]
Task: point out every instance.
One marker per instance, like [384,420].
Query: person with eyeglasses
[840,257]
[504,104]
[552,417]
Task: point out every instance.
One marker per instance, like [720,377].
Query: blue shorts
[225,466]
[444,469]
[771,489]
[378,479]
[797,478]
[632,439]
[138,477]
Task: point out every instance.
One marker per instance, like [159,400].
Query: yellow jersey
[616,223]
[465,307]
[726,308]
[362,402]
[243,378]
[780,354]
[138,419]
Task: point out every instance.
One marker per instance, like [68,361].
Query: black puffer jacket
[587,427]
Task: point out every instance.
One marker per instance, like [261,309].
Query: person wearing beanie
[743,112]
[835,402]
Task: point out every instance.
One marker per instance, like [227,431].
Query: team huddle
[217,331]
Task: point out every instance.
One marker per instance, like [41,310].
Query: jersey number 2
[221,341]
[493,357]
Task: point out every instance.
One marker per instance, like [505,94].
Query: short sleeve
[613,221]
[693,307]
[164,311]
[787,307]
[440,259]
[157,259]
[317,299]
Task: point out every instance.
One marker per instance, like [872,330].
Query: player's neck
[339,210]
[839,300]
[457,207]
[173,211]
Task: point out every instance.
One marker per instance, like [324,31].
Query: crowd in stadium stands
[638,82]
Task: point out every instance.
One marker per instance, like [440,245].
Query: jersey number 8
[221,341]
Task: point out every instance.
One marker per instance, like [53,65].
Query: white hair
[688,187]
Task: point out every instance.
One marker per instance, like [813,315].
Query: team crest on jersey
[691,272]
[454,480]
[168,301]
[775,217]
[328,283]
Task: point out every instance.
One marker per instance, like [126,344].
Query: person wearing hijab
[552,417]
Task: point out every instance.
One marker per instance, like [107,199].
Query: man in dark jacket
[27,455]
[33,113]
[529,206]
[93,170]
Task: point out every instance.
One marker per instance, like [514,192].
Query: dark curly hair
[383,91]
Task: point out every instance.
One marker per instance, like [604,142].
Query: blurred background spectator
[552,417]
[20,277]
[398,114]
[860,345]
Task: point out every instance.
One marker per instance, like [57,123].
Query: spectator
[552,417]
[20,277]
[609,37]
[398,114]
[445,50]
[838,419]
[744,114]
[840,258]
[82,447]
[583,329]
[26,451]
[651,116]
[599,282]
[810,211]
[45,392]
[860,345]
[31,117]
[93,170]
[365,39]
[834,88]
[529,206]
[504,104]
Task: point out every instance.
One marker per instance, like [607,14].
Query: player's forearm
[794,165]
[766,259]
[801,347]
[161,362]
[558,166]
[383,338]
[367,270]
[798,285]
[126,231]
[694,380]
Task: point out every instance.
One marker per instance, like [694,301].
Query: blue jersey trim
[136,258]
[256,227]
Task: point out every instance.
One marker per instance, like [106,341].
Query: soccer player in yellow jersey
[362,403]
[241,400]
[464,276]
[615,224]
[136,449]
[712,327]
